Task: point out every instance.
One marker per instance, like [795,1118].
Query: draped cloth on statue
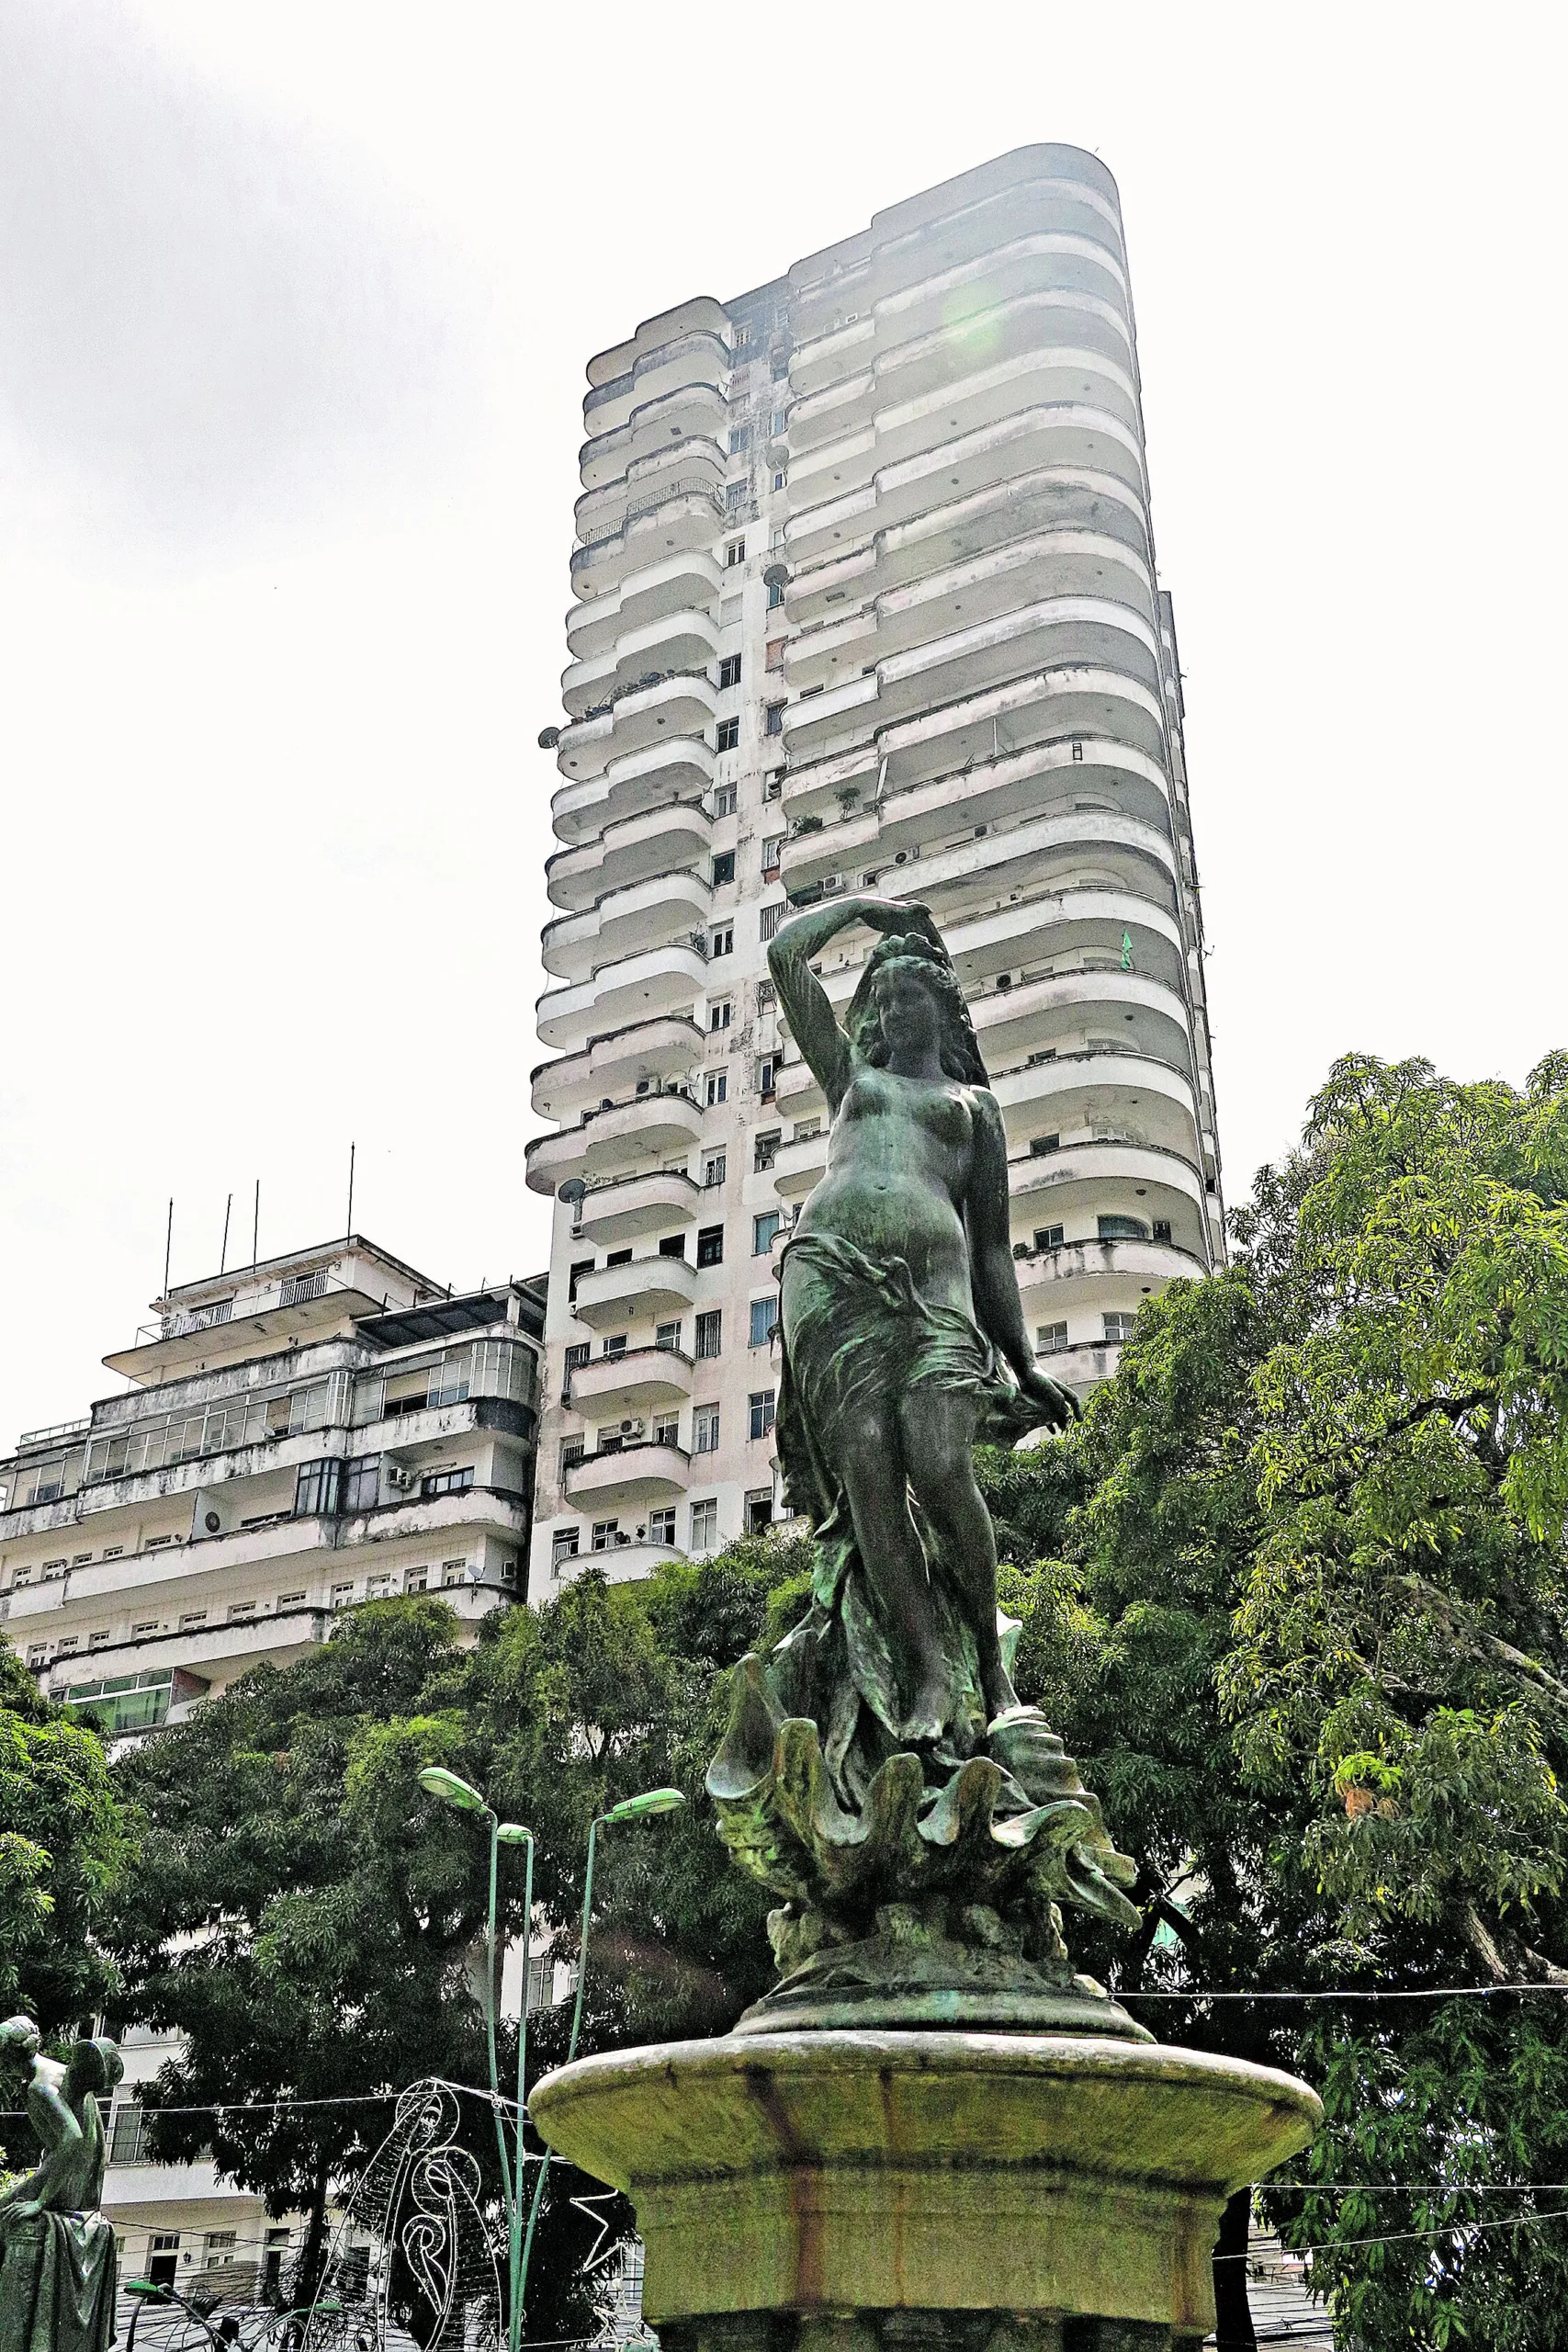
[856,1336]
[57,2282]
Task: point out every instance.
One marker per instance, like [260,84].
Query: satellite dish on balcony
[548,738]
[571,1192]
[776,575]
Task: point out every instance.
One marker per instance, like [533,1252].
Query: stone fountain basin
[871,2171]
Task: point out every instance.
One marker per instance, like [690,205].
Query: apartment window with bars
[710,1331]
[768,922]
[704,1430]
[571,1452]
[764,1321]
[606,1534]
[1119,1327]
[661,1525]
[765,1150]
[737,494]
[704,1524]
[726,737]
[724,799]
[717,1088]
[564,1544]
[760,1411]
[1050,1339]
[713,1170]
[575,1356]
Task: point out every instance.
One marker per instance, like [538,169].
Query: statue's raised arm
[823,1044]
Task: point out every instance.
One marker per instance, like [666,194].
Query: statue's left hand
[24,2208]
[1058,1405]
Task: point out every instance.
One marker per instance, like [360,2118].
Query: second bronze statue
[879,1771]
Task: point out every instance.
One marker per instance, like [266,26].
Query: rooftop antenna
[223,1253]
[255,1227]
[168,1245]
[349,1228]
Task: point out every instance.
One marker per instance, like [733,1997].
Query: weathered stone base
[912,2331]
[1003,2193]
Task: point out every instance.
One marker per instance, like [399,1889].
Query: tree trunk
[313,2253]
[1233,2331]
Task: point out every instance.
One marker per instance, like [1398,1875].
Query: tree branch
[1543,1684]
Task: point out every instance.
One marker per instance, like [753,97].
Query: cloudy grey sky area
[295,300]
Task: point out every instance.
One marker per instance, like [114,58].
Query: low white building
[294,1437]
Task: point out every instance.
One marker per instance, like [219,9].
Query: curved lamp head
[439,1782]
[651,1802]
[512,1833]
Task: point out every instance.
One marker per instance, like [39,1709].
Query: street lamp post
[439,1782]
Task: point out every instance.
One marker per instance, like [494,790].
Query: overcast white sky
[295,300]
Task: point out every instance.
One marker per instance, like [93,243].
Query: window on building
[727,736]
[362,1482]
[445,1482]
[772,850]
[760,1406]
[571,1452]
[775,595]
[100,1638]
[713,1170]
[416,1579]
[729,671]
[615,1343]
[767,1076]
[1040,1145]
[661,1525]
[764,1321]
[238,1609]
[1122,1229]
[37,1652]
[737,494]
[723,869]
[765,1150]
[1162,1228]
[317,1485]
[724,799]
[710,1331]
[773,719]
[720,1013]
[217,2247]
[1048,1236]
[1119,1327]
[775,654]
[667,1431]
[574,1276]
[768,920]
[453,1572]
[606,1534]
[717,1088]
[734,554]
[1050,1339]
[739,439]
[772,786]
[704,1524]
[667,1337]
[67,1645]
[340,1595]
[563,1547]
[780,478]
[710,1245]
[285,1600]
[806,1131]
[767,996]
[378,1587]
[575,1356]
[764,1228]
[672,1245]
[704,1430]
[721,939]
[758,1510]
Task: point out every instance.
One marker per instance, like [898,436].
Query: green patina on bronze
[879,1773]
[57,2253]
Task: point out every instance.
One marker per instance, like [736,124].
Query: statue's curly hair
[912,951]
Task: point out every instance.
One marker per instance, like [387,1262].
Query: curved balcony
[606,1142]
[676,642]
[646,484]
[682,704]
[655,778]
[1057,1011]
[660,842]
[1043,779]
[649,370]
[650,914]
[640,1059]
[1109,1173]
[638,1382]
[650,1289]
[686,413]
[690,579]
[1148,1100]
[1099,1276]
[798,1165]
[1073,316]
[685,519]
[622,1208]
[1083,1365]
[1058,568]
[629,1475]
[667,981]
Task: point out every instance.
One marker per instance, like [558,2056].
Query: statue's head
[19,2038]
[94,2066]
[909,996]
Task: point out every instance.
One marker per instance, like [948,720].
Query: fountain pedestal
[843,2191]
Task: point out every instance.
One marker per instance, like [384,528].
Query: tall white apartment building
[865,596]
[315,1431]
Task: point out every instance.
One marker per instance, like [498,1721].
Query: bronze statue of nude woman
[880,1751]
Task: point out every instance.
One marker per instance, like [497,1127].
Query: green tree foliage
[1297,1598]
[63,1841]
